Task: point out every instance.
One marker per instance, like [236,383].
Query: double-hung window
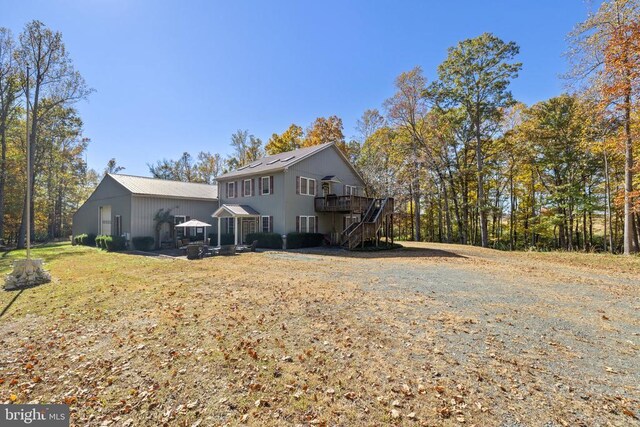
[350,190]
[265,185]
[307,186]
[266,224]
[231,189]
[247,187]
[307,224]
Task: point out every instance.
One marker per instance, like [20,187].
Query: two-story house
[313,189]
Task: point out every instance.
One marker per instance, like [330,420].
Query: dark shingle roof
[275,162]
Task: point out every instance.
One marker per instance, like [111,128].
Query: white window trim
[306,223]
[262,218]
[231,185]
[305,191]
[268,186]
[244,187]
[351,190]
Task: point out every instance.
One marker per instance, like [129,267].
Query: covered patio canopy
[197,224]
[235,212]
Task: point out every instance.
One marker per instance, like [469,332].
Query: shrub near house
[85,239]
[304,240]
[143,243]
[111,243]
[266,240]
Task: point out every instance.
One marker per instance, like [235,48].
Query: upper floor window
[265,185]
[247,184]
[350,190]
[307,186]
[231,189]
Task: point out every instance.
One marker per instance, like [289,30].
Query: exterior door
[248,226]
[105,220]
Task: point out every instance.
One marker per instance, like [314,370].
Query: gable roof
[145,186]
[235,211]
[281,161]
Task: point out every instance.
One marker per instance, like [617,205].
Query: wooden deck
[345,204]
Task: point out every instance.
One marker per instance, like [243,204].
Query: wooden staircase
[376,221]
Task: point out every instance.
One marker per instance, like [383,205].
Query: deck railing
[342,203]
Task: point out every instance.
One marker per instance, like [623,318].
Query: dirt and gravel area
[426,335]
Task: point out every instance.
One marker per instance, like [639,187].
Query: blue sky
[175,76]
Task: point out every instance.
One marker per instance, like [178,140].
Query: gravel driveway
[570,332]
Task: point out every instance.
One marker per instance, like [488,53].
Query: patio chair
[183,243]
[194,251]
[249,248]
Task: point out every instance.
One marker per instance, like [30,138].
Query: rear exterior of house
[310,190]
[125,205]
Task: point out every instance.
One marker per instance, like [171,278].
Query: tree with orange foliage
[606,54]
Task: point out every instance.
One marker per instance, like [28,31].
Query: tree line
[468,163]
[60,179]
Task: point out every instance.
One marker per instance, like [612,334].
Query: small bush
[225,239]
[90,240]
[100,242]
[266,240]
[304,240]
[143,243]
[115,243]
[85,239]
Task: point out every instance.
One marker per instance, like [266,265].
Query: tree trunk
[481,208]
[32,145]
[416,194]
[630,241]
[607,214]
[3,174]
